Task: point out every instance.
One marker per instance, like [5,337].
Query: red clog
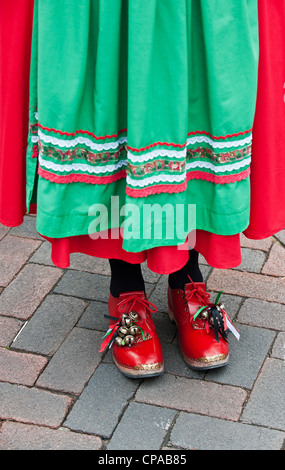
[201,326]
[136,349]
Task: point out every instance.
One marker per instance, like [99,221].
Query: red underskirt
[268,160]
[219,251]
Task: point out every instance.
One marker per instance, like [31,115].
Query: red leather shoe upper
[146,349]
[196,335]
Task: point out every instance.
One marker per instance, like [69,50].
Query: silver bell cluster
[128,329]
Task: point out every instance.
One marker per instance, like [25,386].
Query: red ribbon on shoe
[122,307]
[109,339]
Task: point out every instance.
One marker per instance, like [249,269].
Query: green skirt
[141,116]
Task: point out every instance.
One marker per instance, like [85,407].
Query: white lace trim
[81,140]
[74,167]
[157,154]
[219,144]
[156,179]
[219,168]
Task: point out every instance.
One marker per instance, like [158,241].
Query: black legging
[127,277]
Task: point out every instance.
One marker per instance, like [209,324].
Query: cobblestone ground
[58,392]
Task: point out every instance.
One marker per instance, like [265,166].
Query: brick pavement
[58,392]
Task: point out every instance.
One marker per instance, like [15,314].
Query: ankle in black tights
[178,279]
[125,277]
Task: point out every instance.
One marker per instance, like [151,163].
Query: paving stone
[20,368]
[174,364]
[281,236]
[278,350]
[252,260]
[78,261]
[82,262]
[14,252]
[148,275]
[27,229]
[263,245]
[24,294]
[195,432]
[266,403]
[9,328]
[102,402]
[50,325]
[166,330]
[73,364]
[32,406]
[93,317]
[246,357]
[231,302]
[43,255]
[207,398]
[159,295]
[154,422]
[84,285]
[268,315]
[275,265]
[3,231]
[205,270]
[18,436]
[248,285]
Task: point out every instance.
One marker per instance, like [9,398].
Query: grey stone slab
[159,295]
[14,253]
[278,350]
[50,325]
[43,255]
[166,330]
[232,303]
[93,317]
[142,427]
[29,288]
[252,260]
[84,285]
[9,328]
[102,402]
[18,436]
[246,357]
[261,313]
[73,364]
[196,396]
[206,271]
[27,229]
[174,364]
[148,275]
[82,262]
[3,231]
[78,261]
[281,236]
[195,432]
[266,404]
[30,405]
